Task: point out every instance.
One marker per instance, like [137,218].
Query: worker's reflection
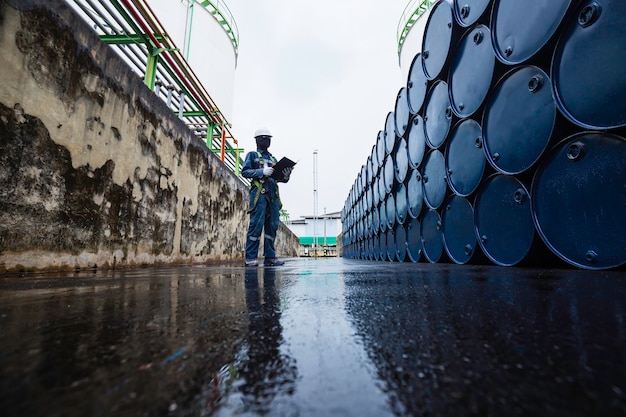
[268,372]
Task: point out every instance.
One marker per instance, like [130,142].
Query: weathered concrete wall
[95,170]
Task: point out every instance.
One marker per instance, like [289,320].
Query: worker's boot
[273,262]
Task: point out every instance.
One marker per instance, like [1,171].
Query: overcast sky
[321,75]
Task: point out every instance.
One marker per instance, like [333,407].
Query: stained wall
[95,170]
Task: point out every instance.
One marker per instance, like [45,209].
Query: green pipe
[131,22]
[128,39]
[151,70]
[209,135]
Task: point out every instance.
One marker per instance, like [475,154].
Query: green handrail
[412,12]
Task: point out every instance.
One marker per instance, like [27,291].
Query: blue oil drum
[521,29]
[432,236]
[390,209]
[390,132]
[374,191]
[382,215]
[400,160]
[362,180]
[441,33]
[504,225]
[588,74]
[375,221]
[468,12]
[381,185]
[416,141]
[416,84]
[374,160]
[354,233]
[471,71]
[359,245]
[438,114]
[376,247]
[369,247]
[415,193]
[357,209]
[401,112]
[459,238]
[382,246]
[434,179]
[361,252]
[519,120]
[579,200]
[465,158]
[400,196]
[388,174]
[391,246]
[413,240]
[400,242]
[380,148]
[363,203]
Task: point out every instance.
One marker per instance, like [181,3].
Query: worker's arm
[250,167]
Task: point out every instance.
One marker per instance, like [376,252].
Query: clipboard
[280,166]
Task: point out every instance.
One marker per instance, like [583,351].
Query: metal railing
[141,40]
[412,12]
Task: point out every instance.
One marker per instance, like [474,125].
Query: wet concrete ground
[316,337]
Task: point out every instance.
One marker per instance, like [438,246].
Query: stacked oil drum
[507,143]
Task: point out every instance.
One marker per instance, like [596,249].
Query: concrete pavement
[315,337]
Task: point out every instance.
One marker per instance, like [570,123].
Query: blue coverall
[265,204]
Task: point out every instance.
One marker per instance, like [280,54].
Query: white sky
[321,75]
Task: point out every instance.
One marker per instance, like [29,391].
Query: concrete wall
[95,170]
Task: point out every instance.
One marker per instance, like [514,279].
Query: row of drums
[529,169]
[571,210]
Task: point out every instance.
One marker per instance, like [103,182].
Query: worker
[265,201]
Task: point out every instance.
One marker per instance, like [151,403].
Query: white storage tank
[207,35]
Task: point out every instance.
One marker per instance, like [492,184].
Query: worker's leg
[257,220]
[272,219]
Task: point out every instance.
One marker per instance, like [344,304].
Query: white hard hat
[262,131]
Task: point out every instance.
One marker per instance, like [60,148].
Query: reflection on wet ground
[316,337]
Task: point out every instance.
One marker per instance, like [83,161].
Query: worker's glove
[268,171]
[287,173]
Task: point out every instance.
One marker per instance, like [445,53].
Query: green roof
[308,240]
